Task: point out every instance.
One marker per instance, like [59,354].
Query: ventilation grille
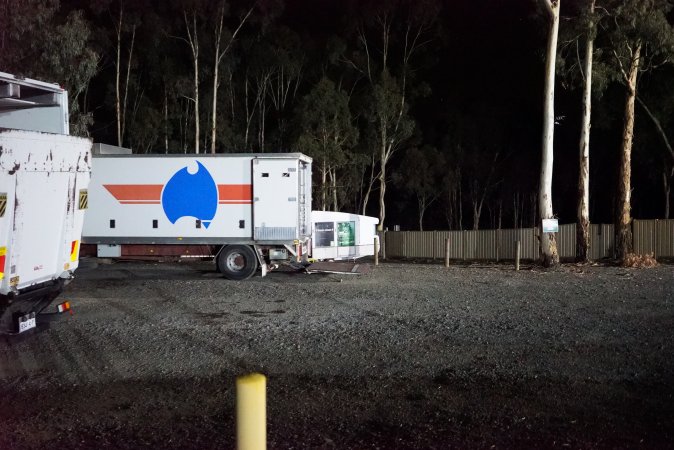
[275,233]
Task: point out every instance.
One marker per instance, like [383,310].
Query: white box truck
[247,210]
[44,175]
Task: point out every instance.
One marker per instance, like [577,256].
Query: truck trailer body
[44,175]
[250,208]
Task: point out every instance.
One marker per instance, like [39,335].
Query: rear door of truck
[50,174]
[275,199]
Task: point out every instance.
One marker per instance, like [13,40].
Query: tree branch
[658,126]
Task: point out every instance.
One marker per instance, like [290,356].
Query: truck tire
[237,262]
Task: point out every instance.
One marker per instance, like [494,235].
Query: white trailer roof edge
[52,87]
[300,156]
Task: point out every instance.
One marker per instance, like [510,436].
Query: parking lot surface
[406,356]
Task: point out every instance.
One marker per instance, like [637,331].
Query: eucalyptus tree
[421,174]
[39,40]
[641,39]
[578,67]
[221,34]
[388,37]
[193,17]
[328,135]
[550,256]
[668,159]
[583,210]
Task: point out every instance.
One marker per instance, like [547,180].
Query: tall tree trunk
[216,67]
[382,174]
[118,69]
[126,82]
[516,210]
[548,243]
[193,41]
[477,212]
[366,197]
[166,136]
[422,209]
[333,182]
[214,105]
[667,186]
[665,178]
[324,180]
[460,204]
[583,227]
[382,184]
[623,238]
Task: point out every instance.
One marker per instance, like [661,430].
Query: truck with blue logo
[44,175]
[247,210]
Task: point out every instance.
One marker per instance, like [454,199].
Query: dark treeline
[426,113]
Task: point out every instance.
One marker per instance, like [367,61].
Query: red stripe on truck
[235,193]
[149,194]
[130,192]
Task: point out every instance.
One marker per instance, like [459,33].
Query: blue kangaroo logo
[190,195]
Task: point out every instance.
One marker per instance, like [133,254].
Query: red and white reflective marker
[64,307]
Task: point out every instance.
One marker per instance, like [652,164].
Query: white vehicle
[44,174]
[343,236]
[248,210]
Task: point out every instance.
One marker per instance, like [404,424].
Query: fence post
[655,240]
[447,252]
[376,251]
[382,244]
[517,256]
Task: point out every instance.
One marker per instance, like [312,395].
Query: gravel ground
[407,356]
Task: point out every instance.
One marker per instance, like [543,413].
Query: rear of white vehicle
[43,195]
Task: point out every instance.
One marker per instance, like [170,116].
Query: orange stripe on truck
[150,194]
[235,193]
[138,192]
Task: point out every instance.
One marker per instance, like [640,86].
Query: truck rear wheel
[237,262]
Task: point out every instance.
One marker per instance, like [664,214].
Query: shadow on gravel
[447,410]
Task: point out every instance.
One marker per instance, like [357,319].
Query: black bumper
[33,299]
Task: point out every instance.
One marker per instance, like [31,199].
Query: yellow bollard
[251,412]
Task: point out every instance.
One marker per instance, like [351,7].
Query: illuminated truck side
[44,175]
[248,210]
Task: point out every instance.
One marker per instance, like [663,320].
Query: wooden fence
[650,236]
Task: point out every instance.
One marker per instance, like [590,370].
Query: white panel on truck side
[276,197]
[169,199]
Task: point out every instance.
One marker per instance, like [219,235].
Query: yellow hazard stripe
[84,199]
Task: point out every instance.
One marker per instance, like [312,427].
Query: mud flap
[260,259]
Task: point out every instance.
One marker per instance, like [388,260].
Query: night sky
[484,68]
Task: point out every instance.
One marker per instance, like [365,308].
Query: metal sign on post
[550,226]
